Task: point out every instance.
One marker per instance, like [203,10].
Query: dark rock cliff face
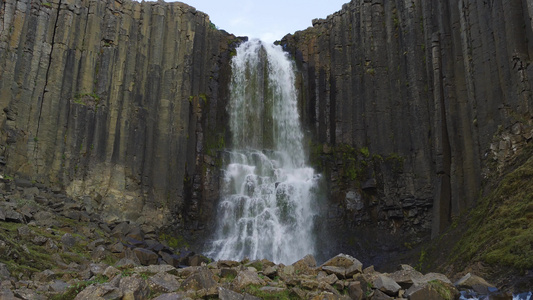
[409,104]
[119,103]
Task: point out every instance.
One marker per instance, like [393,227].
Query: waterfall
[267,203]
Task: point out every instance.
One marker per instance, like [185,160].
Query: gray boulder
[386,285]
[134,287]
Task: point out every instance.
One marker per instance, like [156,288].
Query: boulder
[228,273]
[134,287]
[405,275]
[101,291]
[305,265]
[432,290]
[171,259]
[7,294]
[225,294]
[355,290]
[68,241]
[201,278]
[475,283]
[386,285]
[13,216]
[342,265]
[44,276]
[173,296]
[227,264]
[145,256]
[39,240]
[163,282]
[58,286]
[271,271]
[245,278]
[111,271]
[4,272]
[196,260]
[379,295]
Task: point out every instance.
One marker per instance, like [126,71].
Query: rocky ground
[51,247]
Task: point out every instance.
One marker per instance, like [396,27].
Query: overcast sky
[268,20]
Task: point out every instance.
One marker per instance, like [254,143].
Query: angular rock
[272,290]
[227,264]
[68,241]
[100,291]
[355,291]
[7,294]
[4,272]
[163,282]
[305,265]
[127,263]
[173,296]
[271,271]
[342,265]
[245,278]
[225,294]
[26,293]
[59,286]
[171,259]
[228,273]
[202,278]
[44,276]
[432,290]
[111,271]
[386,285]
[145,256]
[197,260]
[475,283]
[155,269]
[404,276]
[379,295]
[39,240]
[134,287]
[13,216]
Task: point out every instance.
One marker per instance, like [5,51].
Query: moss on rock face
[500,230]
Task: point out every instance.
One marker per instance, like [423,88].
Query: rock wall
[402,100]
[118,103]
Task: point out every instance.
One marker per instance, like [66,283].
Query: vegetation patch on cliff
[499,228]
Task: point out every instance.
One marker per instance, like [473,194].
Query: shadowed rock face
[417,91]
[116,101]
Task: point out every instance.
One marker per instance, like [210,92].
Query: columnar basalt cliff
[115,102]
[409,103]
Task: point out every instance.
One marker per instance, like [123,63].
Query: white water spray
[267,201]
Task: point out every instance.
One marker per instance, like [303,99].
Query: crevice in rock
[52,42]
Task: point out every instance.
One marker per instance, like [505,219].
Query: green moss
[46,4]
[500,230]
[173,241]
[442,289]
[258,265]
[75,289]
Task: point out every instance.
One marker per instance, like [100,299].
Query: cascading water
[267,201]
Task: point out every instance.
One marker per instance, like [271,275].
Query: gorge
[411,110]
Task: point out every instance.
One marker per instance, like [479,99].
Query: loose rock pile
[52,247]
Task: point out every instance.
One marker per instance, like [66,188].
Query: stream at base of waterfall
[268,193]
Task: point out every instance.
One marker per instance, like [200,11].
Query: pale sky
[268,20]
